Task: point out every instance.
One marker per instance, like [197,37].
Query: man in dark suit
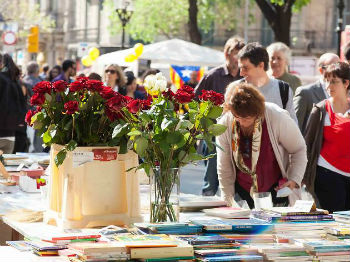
[306,96]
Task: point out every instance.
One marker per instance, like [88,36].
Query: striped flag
[181,74]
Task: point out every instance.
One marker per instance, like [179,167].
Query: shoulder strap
[284,92]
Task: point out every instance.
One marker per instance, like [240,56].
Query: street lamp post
[339,28]
[124,15]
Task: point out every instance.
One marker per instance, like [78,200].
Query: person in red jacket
[327,138]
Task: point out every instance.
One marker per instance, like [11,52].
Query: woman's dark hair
[149,72]
[340,70]
[245,100]
[50,77]
[9,67]
[94,76]
[129,77]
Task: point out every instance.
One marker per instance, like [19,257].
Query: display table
[10,254]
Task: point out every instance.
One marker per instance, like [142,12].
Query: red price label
[105,154]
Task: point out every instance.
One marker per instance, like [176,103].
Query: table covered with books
[266,235]
[204,233]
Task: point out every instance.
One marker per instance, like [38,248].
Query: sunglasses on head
[110,71]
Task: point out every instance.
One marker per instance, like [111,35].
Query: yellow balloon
[130,58]
[86,61]
[94,53]
[138,49]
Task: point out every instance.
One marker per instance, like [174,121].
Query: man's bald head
[326,60]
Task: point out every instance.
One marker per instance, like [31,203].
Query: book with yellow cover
[155,240]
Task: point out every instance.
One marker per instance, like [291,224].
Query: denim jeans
[211,182]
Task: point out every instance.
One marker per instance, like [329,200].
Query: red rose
[134,105]
[42,87]
[146,104]
[210,95]
[28,117]
[187,89]
[116,102]
[37,99]
[82,79]
[107,92]
[77,86]
[71,107]
[183,97]
[94,85]
[168,94]
[60,86]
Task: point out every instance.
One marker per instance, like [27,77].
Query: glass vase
[165,190]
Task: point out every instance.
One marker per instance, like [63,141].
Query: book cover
[155,240]
[19,245]
[213,225]
[255,258]
[75,237]
[42,246]
[90,248]
[182,250]
[213,239]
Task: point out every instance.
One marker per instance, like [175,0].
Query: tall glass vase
[165,190]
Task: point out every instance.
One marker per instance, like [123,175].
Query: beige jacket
[287,142]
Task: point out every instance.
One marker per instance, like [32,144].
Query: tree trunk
[279,18]
[193,30]
[281,27]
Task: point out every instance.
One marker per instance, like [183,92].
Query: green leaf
[135,133]
[71,145]
[60,157]
[140,146]
[169,123]
[146,167]
[47,137]
[174,137]
[215,112]
[204,106]
[120,130]
[145,117]
[217,129]
[185,124]
[48,97]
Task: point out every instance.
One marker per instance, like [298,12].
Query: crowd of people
[279,133]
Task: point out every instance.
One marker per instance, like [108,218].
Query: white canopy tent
[174,51]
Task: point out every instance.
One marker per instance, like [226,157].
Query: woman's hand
[290,183]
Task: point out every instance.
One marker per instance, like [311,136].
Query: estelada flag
[181,74]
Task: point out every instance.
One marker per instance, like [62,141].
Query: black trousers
[277,201]
[332,190]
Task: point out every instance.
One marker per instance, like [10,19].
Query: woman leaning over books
[327,136]
[262,148]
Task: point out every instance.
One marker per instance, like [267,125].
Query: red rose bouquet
[78,114]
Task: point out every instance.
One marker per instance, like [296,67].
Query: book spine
[308,217]
[75,237]
[314,213]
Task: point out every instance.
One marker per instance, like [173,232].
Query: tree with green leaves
[168,18]
[25,15]
[278,13]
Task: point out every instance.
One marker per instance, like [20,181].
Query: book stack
[97,251]
[283,252]
[169,228]
[327,250]
[42,248]
[234,225]
[251,238]
[342,216]
[228,212]
[74,239]
[156,247]
[219,248]
[278,215]
[340,232]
